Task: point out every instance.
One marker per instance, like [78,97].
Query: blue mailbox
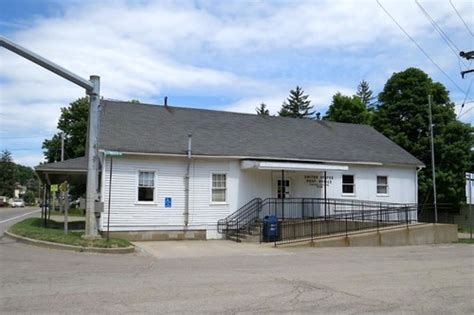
[270,228]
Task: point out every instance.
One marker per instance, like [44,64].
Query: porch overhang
[291,166]
[73,170]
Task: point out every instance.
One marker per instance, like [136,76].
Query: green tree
[26,176]
[73,123]
[297,105]
[29,197]
[348,109]
[402,115]
[8,174]
[262,110]
[365,93]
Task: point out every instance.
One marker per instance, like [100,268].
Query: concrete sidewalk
[211,248]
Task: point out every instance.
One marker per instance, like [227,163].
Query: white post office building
[178,171]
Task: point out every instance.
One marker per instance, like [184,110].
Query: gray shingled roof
[77,164]
[141,128]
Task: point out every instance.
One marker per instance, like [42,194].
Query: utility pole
[62,146]
[433,168]
[92,87]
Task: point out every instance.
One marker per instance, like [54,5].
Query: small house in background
[181,170]
[19,191]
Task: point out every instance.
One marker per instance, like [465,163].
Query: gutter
[243,157]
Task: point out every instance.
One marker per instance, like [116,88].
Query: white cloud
[141,49]
[320,96]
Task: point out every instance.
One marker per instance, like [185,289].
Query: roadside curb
[46,244]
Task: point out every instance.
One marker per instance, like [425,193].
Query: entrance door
[285,186]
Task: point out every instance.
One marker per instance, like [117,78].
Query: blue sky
[228,55]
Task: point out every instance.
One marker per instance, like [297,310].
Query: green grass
[466,241]
[464,229]
[32,228]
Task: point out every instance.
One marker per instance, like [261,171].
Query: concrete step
[244,237]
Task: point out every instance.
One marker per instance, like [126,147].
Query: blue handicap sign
[168,202]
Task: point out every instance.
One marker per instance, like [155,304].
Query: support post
[433,167]
[43,206]
[92,159]
[325,197]
[283,194]
[66,207]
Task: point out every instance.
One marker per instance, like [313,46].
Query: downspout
[186,183]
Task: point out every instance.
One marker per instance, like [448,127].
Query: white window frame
[226,188]
[155,199]
[353,185]
[377,186]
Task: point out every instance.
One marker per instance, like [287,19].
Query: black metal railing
[345,223]
[242,220]
[303,218]
[306,208]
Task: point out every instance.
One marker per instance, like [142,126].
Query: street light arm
[45,63]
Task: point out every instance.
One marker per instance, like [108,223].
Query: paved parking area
[208,277]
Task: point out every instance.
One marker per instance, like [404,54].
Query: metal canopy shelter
[73,170]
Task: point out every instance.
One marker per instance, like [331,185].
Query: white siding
[401,181]
[128,214]
[242,185]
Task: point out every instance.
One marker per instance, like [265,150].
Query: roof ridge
[228,112]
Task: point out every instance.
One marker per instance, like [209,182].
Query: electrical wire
[467,111]
[460,17]
[420,48]
[454,48]
[465,98]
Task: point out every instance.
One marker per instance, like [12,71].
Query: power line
[465,98]
[460,17]
[467,111]
[419,47]
[443,35]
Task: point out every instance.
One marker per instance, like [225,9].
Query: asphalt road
[9,216]
[419,279]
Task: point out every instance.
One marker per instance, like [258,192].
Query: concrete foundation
[418,234]
[160,235]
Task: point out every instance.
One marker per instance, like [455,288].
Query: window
[286,186]
[382,185]
[146,186]
[348,184]
[219,187]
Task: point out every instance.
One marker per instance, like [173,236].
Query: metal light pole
[92,88]
[433,170]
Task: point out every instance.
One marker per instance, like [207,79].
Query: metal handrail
[253,211]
